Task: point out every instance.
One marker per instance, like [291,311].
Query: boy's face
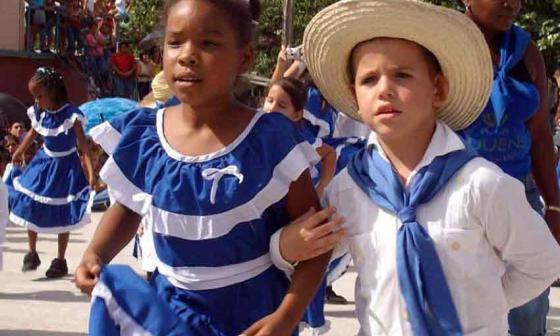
[396,88]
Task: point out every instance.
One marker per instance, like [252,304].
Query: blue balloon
[104,109]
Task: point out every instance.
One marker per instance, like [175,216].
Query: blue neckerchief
[423,285]
[512,51]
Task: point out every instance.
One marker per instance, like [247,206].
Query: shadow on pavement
[38,333]
[52,295]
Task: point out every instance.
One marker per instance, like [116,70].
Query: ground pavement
[31,305]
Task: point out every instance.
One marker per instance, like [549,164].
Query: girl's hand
[274,324]
[306,237]
[87,273]
[17,158]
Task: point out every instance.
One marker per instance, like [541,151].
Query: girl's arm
[542,149]
[17,158]
[307,276]
[117,227]
[328,167]
[83,147]
[282,64]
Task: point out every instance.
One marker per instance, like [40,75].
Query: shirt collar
[444,141]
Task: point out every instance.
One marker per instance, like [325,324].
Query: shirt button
[405,314]
[456,246]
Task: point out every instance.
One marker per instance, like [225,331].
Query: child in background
[52,194]
[444,242]
[288,97]
[11,143]
[17,129]
[213,192]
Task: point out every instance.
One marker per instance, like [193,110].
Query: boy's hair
[242,15]
[430,58]
[295,89]
[53,83]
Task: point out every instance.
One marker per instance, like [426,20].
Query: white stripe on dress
[217,225]
[126,323]
[49,200]
[203,278]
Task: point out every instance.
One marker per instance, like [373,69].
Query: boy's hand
[274,324]
[306,238]
[87,273]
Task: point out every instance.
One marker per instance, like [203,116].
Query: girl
[52,193]
[214,179]
[288,96]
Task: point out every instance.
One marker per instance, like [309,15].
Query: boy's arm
[521,237]
[307,276]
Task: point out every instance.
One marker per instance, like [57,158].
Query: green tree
[540,17]
[143,17]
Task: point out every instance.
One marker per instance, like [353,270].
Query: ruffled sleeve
[48,123]
[108,133]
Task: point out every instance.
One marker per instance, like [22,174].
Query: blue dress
[51,195]
[212,217]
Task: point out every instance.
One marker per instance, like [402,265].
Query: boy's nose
[385,88]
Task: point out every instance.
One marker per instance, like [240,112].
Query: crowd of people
[87,34]
[424,136]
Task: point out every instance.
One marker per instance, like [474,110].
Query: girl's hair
[53,83]
[242,14]
[295,89]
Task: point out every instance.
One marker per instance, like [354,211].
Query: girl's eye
[283,106]
[209,44]
[269,100]
[173,43]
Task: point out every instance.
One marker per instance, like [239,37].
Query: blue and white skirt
[51,195]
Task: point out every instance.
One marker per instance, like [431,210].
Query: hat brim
[452,37]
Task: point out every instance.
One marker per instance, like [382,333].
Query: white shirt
[496,251]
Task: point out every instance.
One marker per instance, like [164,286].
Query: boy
[444,242]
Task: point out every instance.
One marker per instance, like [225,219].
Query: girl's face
[396,90]
[279,100]
[40,96]
[494,15]
[202,56]
[11,146]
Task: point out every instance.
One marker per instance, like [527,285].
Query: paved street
[31,305]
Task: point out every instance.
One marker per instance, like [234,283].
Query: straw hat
[160,88]
[453,38]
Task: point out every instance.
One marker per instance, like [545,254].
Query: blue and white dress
[51,195]
[211,216]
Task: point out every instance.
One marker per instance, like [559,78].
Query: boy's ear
[441,91]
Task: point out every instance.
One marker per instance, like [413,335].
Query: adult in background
[124,70]
[145,73]
[513,130]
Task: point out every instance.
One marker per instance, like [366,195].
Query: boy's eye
[368,80]
[401,74]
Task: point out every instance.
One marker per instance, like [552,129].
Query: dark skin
[200,44]
[494,18]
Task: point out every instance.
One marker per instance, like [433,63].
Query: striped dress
[211,216]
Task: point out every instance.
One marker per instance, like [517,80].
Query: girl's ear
[246,60]
[441,91]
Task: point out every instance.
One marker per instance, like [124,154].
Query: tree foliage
[540,17]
